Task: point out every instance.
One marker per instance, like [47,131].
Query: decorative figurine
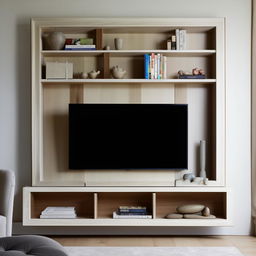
[93,74]
[117,72]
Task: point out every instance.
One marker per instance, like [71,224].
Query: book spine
[155,68]
[150,71]
[152,66]
[80,49]
[162,67]
[57,217]
[182,39]
[132,211]
[192,76]
[165,67]
[177,32]
[146,66]
[116,216]
[80,46]
[158,66]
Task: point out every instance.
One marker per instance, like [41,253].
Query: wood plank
[99,39]
[106,65]
[76,93]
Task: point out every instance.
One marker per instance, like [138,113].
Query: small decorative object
[189,176]
[77,75]
[195,71]
[117,72]
[202,158]
[191,211]
[118,43]
[189,179]
[195,74]
[190,208]
[206,211]
[93,74]
[174,216]
[84,75]
[55,40]
[107,47]
[194,216]
[59,70]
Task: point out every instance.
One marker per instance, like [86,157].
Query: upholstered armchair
[7,187]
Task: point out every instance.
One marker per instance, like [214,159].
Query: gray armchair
[7,187]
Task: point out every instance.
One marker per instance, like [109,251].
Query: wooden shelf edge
[127,222]
[122,53]
[127,189]
[144,81]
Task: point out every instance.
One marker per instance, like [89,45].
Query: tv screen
[128,136]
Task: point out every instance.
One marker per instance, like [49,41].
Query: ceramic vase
[118,43]
[55,40]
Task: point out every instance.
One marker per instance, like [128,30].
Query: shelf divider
[154,205]
[106,65]
[95,205]
[99,39]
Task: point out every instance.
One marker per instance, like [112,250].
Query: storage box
[59,70]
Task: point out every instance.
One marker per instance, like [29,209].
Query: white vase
[118,43]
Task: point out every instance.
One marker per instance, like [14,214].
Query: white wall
[15,141]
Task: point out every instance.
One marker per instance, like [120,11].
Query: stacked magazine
[58,213]
[131,212]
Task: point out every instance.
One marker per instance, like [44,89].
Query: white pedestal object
[202,158]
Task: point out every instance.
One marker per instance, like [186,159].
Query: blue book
[132,210]
[146,66]
[132,213]
[191,76]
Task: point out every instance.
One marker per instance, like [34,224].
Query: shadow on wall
[23,83]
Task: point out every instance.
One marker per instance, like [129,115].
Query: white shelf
[127,53]
[128,222]
[130,81]
[125,189]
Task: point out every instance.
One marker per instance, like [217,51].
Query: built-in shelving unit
[96,205]
[95,193]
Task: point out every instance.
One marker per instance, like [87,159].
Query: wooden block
[106,68]
[99,39]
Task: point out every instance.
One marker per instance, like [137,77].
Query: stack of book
[131,212]
[155,66]
[58,213]
[79,44]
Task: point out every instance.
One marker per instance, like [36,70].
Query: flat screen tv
[128,136]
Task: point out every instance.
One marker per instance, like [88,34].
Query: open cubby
[109,202]
[168,202]
[82,201]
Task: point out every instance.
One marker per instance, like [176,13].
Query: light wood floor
[246,244]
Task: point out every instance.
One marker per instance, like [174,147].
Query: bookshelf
[52,180]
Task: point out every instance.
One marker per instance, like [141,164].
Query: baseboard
[19,229]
